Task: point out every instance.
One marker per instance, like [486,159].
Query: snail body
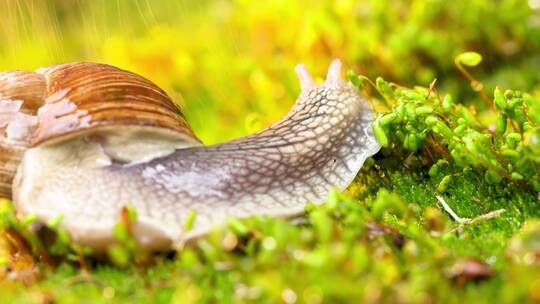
[105,138]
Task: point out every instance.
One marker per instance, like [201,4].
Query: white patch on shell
[60,115]
[17,125]
[10,106]
[8,110]
[21,127]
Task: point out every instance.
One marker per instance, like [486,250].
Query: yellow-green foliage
[230,63]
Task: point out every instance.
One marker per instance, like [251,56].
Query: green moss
[331,255]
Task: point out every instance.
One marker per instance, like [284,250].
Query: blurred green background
[230,63]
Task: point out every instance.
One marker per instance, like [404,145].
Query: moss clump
[444,131]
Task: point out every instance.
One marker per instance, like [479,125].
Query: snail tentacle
[333,78]
[306,81]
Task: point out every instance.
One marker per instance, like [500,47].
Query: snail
[83,140]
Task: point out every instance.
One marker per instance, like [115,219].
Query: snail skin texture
[90,139]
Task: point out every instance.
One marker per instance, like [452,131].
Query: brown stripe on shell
[23,85]
[28,87]
[82,96]
[10,157]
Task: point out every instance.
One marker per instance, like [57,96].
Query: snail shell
[105,138]
[21,94]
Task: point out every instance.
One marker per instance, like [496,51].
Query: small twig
[487,216]
[475,84]
[431,87]
[83,277]
[388,106]
[451,212]
[467,221]
[85,268]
